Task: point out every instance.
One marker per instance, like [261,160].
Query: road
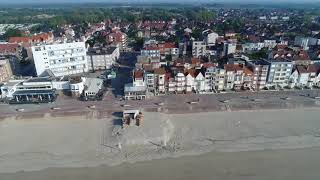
[175,103]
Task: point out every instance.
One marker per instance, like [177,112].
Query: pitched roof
[301,55]
[138,74]
[312,68]
[247,71]
[160,71]
[233,67]
[208,65]
[35,38]
[168,45]
[192,72]
[195,61]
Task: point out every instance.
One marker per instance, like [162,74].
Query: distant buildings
[37,38]
[305,42]
[61,59]
[118,38]
[154,48]
[211,38]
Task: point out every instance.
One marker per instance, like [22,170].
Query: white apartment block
[229,48]
[62,59]
[279,72]
[198,48]
[211,38]
[214,79]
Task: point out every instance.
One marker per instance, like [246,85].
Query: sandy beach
[37,144]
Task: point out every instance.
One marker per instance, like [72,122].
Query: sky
[19,2]
[132,1]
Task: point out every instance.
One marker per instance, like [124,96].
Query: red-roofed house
[8,49]
[37,38]
[305,75]
[301,58]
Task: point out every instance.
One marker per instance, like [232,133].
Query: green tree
[13,33]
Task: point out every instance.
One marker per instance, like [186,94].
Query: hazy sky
[205,1]
[119,1]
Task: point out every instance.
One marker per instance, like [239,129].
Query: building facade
[61,59]
[260,73]
[279,72]
[198,48]
[103,58]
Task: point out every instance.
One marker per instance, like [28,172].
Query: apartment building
[102,58]
[119,38]
[150,51]
[61,59]
[168,48]
[279,71]
[190,76]
[180,80]
[229,48]
[214,79]
[234,76]
[248,77]
[260,73]
[160,75]
[211,38]
[198,48]
[150,80]
[137,90]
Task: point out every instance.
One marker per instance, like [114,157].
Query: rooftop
[39,79]
[259,62]
[233,67]
[138,74]
[102,51]
[34,92]
[130,88]
[93,84]
[307,69]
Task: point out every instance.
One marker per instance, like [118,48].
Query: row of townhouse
[251,75]
[153,48]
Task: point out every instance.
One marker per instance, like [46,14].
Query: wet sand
[282,164]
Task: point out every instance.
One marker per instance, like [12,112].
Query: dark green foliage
[13,33]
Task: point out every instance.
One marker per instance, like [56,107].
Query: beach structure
[32,90]
[132,117]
